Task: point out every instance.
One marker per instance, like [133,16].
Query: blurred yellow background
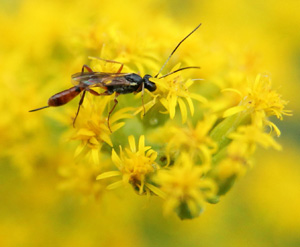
[43,42]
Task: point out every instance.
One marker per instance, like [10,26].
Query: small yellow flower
[81,178]
[92,130]
[251,135]
[172,91]
[227,171]
[185,187]
[195,141]
[135,166]
[261,102]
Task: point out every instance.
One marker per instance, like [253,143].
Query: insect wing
[93,78]
[79,77]
[116,80]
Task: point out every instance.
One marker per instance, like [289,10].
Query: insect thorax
[124,89]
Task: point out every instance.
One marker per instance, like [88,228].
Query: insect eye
[148,84]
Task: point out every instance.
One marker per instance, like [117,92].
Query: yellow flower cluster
[189,162]
[202,131]
[196,137]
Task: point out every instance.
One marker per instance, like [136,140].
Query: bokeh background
[43,42]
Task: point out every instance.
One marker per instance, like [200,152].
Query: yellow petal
[115,158]
[117,126]
[142,143]
[122,113]
[189,83]
[156,190]
[182,110]
[106,138]
[132,143]
[164,102]
[152,154]
[273,126]
[172,106]
[115,185]
[95,156]
[110,174]
[84,132]
[232,90]
[147,106]
[79,149]
[206,154]
[191,105]
[198,97]
[233,110]
[177,66]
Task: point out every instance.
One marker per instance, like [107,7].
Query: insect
[113,83]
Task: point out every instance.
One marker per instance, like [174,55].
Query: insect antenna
[173,72]
[39,108]
[176,49]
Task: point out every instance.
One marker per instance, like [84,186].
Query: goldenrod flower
[185,186]
[44,42]
[260,101]
[200,153]
[252,135]
[227,171]
[135,166]
[243,128]
[233,160]
[92,128]
[195,141]
[81,178]
[173,90]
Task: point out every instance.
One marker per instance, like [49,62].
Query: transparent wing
[99,79]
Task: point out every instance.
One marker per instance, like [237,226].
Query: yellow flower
[92,128]
[185,187]
[135,166]
[81,178]
[260,101]
[172,90]
[195,141]
[228,170]
[252,135]
[37,63]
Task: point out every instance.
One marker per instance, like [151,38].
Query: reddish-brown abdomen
[64,96]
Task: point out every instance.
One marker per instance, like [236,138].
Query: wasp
[113,83]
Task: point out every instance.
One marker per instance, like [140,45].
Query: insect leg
[96,93]
[87,68]
[104,94]
[120,69]
[80,103]
[110,61]
[112,109]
